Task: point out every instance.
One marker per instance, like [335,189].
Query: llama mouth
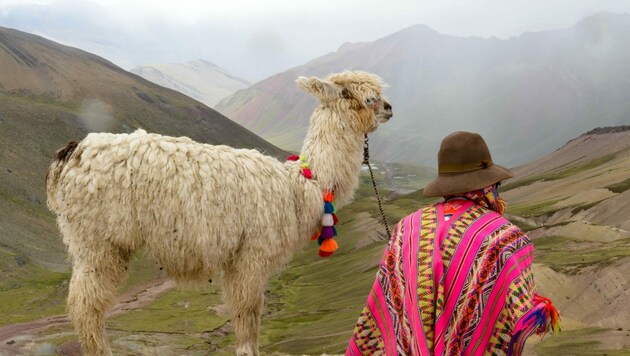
[384,117]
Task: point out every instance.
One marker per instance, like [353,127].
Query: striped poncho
[455,279]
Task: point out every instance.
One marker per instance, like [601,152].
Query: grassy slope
[28,291]
[313,304]
[540,198]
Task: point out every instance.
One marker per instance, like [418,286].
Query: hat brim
[453,183]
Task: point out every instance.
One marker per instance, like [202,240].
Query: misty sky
[258,38]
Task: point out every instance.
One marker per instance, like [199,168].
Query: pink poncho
[458,283]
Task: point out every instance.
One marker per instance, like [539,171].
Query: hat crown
[464,165]
[463,152]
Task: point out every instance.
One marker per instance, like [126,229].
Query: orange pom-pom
[329,245]
[315,235]
[329,196]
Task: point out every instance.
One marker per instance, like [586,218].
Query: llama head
[356,93]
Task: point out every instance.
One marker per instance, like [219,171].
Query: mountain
[586,180]
[200,79]
[524,94]
[51,94]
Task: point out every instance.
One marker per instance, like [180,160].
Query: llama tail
[54,172]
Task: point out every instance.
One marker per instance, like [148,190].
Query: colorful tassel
[545,318]
[324,236]
[550,313]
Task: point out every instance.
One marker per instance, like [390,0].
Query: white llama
[204,211]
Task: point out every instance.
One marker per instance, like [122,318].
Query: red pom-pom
[324,253]
[293,158]
[335,220]
[307,173]
[315,235]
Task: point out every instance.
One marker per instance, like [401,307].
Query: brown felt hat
[464,165]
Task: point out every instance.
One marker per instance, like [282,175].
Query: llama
[204,211]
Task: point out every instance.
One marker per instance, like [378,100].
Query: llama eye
[345,93]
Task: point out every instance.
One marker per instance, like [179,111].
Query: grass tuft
[551,176]
[619,187]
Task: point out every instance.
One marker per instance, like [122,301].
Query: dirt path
[133,299]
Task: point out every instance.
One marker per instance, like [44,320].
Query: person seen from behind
[456,276]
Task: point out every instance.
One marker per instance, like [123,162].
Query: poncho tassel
[546,318]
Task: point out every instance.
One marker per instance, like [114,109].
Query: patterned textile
[461,286]
[488,197]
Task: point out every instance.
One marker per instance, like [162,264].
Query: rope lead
[366,160]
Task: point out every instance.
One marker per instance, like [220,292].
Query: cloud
[258,38]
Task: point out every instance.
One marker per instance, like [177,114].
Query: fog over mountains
[201,80]
[527,95]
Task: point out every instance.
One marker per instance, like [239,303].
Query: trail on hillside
[389,176]
[133,299]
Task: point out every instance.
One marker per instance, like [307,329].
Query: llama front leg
[243,292]
[92,289]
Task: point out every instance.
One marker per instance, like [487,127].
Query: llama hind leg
[243,292]
[93,286]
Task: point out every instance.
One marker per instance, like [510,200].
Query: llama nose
[387,106]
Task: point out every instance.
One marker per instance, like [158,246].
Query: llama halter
[325,235]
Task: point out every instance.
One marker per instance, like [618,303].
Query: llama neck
[335,154]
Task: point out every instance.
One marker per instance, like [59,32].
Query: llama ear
[322,89]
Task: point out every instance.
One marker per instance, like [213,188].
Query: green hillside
[312,305]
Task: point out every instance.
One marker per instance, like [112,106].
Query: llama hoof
[246,350]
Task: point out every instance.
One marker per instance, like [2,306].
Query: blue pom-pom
[329,208]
